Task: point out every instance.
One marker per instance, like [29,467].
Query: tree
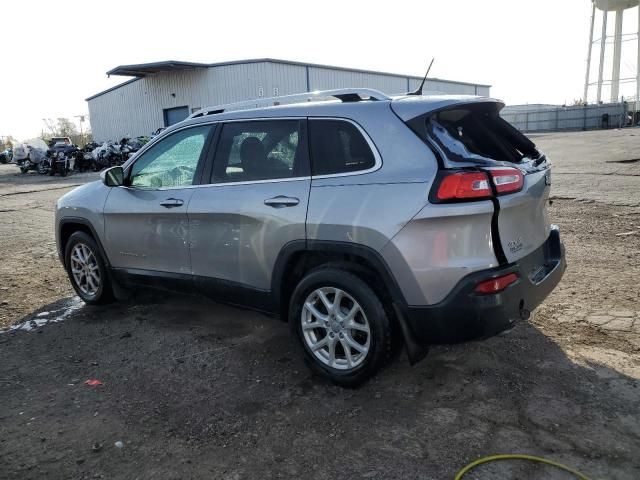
[65,127]
[61,127]
[6,142]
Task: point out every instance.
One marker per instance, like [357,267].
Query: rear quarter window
[338,146]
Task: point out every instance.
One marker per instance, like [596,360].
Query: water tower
[619,7]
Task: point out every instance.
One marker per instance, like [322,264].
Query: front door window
[172,162]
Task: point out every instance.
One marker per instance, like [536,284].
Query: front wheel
[87,270]
[342,326]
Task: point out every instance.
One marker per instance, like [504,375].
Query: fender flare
[119,292]
[86,223]
[415,350]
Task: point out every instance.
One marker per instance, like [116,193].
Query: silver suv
[365,222]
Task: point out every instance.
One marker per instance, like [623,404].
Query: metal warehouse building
[164,93]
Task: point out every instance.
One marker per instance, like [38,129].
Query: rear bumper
[464,315]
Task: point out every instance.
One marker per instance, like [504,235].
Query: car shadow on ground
[196,389]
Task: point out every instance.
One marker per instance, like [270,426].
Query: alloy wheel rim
[335,328]
[85,270]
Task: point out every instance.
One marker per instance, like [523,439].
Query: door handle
[172,203]
[281,201]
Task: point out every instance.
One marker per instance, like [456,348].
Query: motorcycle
[84,158]
[83,161]
[6,156]
[31,155]
[60,162]
[129,146]
[61,158]
[108,155]
[124,149]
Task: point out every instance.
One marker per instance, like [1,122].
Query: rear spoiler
[410,107]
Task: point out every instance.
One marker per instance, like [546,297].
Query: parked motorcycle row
[61,157]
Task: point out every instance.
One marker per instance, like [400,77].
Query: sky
[56,53]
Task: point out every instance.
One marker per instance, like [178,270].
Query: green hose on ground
[531,458]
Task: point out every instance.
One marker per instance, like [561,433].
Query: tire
[24,169]
[351,369]
[103,293]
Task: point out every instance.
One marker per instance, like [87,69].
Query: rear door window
[260,150]
[338,146]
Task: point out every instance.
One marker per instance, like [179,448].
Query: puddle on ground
[54,316]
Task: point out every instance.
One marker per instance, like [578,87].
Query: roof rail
[343,94]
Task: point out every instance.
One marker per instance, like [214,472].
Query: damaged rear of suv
[365,222]
[490,194]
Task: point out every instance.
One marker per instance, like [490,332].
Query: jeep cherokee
[365,222]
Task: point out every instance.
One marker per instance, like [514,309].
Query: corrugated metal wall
[325,79]
[137,107]
[545,119]
[436,86]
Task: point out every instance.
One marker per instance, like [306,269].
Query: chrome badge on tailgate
[515,245]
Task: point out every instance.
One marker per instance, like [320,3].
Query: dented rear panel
[468,135]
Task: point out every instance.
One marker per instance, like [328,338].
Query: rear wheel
[86,269]
[342,326]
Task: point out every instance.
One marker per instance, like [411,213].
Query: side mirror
[113,177]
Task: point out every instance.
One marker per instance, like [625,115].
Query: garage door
[175,115]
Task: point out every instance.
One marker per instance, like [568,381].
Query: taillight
[460,185]
[496,285]
[507,180]
[463,185]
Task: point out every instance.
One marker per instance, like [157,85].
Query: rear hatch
[470,136]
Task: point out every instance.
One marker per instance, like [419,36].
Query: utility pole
[81,119]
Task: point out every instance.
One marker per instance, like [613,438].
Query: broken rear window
[477,133]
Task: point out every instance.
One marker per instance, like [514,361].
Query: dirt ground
[195,389]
